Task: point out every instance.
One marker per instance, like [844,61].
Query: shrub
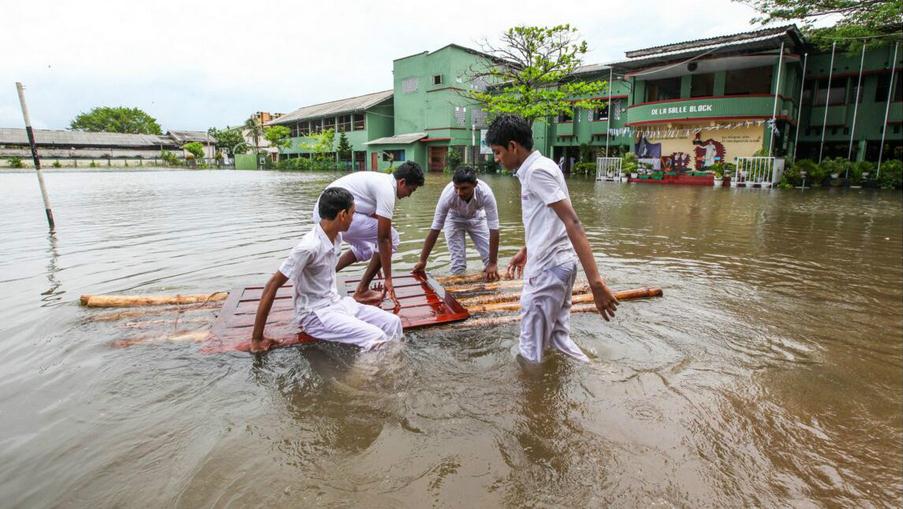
[858,170]
[585,168]
[891,174]
[56,164]
[16,162]
[629,164]
[169,158]
[454,159]
[93,164]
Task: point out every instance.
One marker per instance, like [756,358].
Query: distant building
[80,148]
[690,103]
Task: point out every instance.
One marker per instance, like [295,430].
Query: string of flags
[660,133]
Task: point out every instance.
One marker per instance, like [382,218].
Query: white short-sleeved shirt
[542,184]
[483,201]
[373,191]
[311,268]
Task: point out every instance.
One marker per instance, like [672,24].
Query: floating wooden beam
[636,293]
[125,301]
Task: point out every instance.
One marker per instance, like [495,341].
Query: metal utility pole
[34,154]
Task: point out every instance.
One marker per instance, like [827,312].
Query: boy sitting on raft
[319,310]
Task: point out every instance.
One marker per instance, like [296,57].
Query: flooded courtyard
[770,373]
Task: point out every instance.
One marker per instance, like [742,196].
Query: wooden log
[113,316]
[636,293]
[485,287]
[192,336]
[460,279]
[504,297]
[124,301]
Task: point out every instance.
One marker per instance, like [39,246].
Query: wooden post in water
[34,154]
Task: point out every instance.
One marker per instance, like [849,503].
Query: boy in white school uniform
[371,235]
[555,242]
[311,266]
[466,206]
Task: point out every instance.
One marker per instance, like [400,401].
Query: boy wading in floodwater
[371,235]
[555,242]
[311,266]
[466,206]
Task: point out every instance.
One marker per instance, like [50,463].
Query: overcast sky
[195,64]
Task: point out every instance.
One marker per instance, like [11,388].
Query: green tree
[229,140]
[279,136]
[116,120]
[858,18]
[537,81]
[321,144]
[194,148]
[344,148]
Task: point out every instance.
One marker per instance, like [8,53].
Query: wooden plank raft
[424,303]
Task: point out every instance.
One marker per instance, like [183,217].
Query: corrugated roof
[715,45]
[400,139]
[350,105]
[59,137]
[183,137]
[709,41]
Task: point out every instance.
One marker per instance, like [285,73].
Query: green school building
[693,103]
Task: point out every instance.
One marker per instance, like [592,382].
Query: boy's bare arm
[258,342]
[604,299]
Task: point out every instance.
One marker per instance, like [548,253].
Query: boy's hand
[605,301]
[491,273]
[516,265]
[419,267]
[263,344]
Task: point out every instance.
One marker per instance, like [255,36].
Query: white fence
[608,169]
[761,172]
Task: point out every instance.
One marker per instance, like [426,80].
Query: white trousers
[546,313]
[352,323]
[455,228]
[361,235]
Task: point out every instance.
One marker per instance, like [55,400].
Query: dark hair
[508,128]
[333,200]
[464,175]
[410,172]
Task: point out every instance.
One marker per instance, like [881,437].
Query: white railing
[608,169]
[760,172]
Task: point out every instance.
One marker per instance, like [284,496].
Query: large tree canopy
[536,80]
[116,120]
[858,19]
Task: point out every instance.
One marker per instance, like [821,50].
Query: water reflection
[769,374]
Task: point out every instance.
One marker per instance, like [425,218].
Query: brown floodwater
[769,374]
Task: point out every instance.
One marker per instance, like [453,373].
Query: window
[566,116]
[837,94]
[344,123]
[662,90]
[328,123]
[437,79]
[316,126]
[409,85]
[884,85]
[303,128]
[854,91]
[702,85]
[756,80]
[393,155]
[359,122]
[600,113]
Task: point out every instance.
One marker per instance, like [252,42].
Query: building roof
[399,139]
[769,38]
[59,137]
[183,137]
[349,105]
[472,51]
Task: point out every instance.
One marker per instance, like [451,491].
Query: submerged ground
[771,372]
